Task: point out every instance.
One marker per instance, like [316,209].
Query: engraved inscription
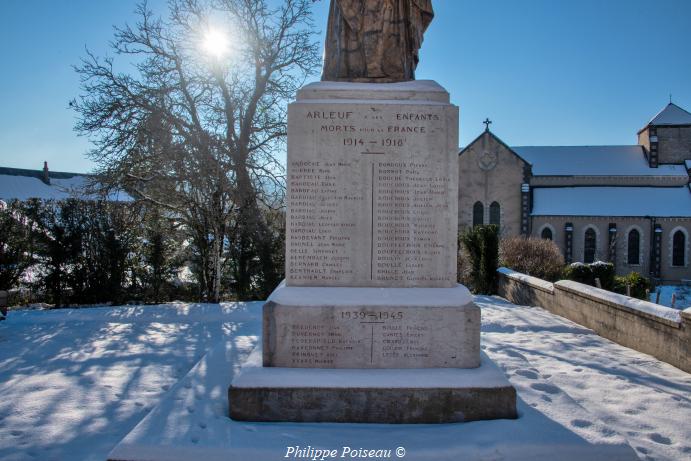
[368,337]
[371,195]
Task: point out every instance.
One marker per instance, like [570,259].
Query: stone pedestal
[370,325]
[334,327]
[395,396]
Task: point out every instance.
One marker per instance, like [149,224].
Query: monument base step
[393,396]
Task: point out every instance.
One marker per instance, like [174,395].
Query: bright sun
[216,43]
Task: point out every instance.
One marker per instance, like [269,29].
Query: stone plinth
[372,186]
[433,395]
[352,327]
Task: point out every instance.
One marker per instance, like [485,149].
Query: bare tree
[197,133]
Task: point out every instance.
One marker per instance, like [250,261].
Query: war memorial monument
[370,324]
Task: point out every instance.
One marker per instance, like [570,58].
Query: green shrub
[639,285]
[579,272]
[587,273]
[605,272]
[482,246]
[532,256]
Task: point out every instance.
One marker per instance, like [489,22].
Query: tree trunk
[217,253]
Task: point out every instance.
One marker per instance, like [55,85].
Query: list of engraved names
[377,336]
[370,193]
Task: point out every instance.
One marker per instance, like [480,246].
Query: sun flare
[215,43]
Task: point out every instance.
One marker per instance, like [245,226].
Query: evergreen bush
[605,272]
[16,245]
[482,246]
[579,272]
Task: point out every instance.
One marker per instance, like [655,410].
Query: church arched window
[478,214]
[495,213]
[634,247]
[546,233]
[589,245]
[679,249]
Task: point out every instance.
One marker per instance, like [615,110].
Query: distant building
[21,184]
[630,205]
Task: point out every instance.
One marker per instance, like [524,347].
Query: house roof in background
[612,201]
[21,184]
[593,161]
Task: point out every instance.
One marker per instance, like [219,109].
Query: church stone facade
[630,205]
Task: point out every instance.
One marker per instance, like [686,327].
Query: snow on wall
[625,302]
[612,201]
[527,279]
[593,161]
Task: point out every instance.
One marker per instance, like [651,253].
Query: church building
[630,204]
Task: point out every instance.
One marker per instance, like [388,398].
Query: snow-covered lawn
[73,383]
[682,294]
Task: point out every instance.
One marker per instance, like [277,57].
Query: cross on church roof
[487,123]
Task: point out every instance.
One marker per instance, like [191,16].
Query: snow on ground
[641,398]
[191,423]
[683,296]
[75,382]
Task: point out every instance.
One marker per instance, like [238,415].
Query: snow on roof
[671,115]
[593,161]
[612,201]
[16,184]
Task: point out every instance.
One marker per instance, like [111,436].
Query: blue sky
[547,72]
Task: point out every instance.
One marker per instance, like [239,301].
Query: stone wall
[674,144]
[662,332]
[644,140]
